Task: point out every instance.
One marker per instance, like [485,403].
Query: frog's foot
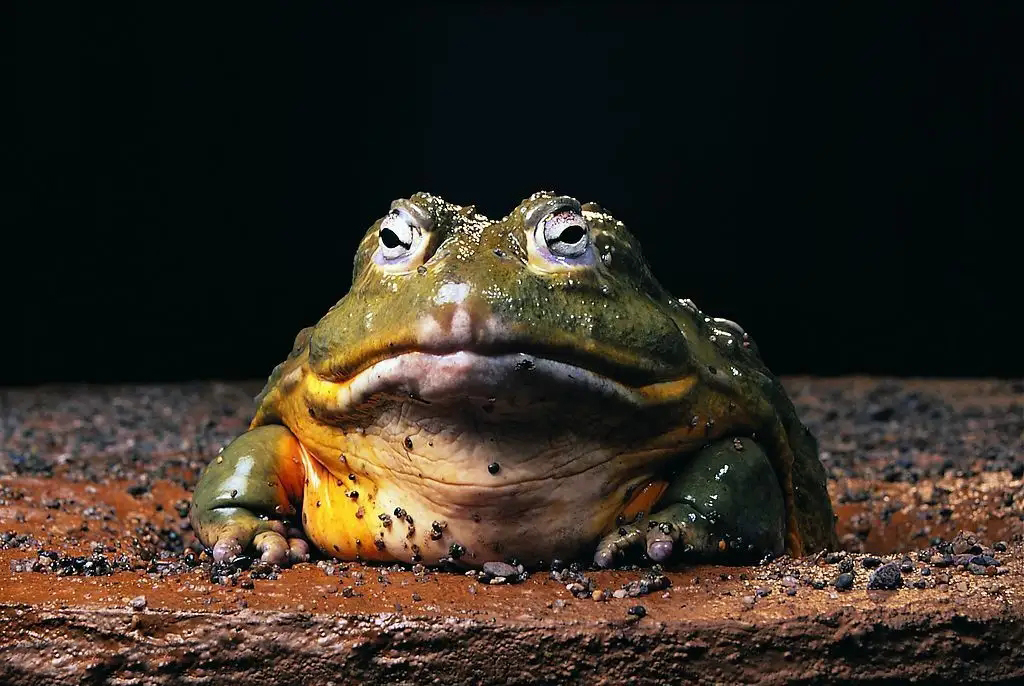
[244,495]
[618,544]
[271,539]
[725,506]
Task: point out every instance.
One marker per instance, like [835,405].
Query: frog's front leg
[724,506]
[245,495]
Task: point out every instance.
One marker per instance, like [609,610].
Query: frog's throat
[516,377]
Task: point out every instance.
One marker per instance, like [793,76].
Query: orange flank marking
[644,499]
[668,391]
[340,515]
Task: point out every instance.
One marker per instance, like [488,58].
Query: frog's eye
[397,235]
[561,236]
[403,236]
[564,233]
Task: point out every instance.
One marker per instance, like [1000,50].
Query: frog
[518,389]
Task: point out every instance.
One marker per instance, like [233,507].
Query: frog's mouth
[512,380]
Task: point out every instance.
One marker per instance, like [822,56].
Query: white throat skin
[517,456]
[500,489]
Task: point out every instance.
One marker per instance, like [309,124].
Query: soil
[101,579]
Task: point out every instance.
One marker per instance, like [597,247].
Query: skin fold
[519,388]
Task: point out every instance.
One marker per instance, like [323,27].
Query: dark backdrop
[190,184]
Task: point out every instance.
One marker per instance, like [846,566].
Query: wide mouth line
[591,362]
[515,382]
[429,375]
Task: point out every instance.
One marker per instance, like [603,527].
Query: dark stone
[844,582]
[887,578]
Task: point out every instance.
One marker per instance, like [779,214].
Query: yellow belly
[339,514]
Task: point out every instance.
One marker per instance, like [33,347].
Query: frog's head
[445,301]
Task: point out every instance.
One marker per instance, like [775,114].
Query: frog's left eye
[561,236]
[402,236]
[564,233]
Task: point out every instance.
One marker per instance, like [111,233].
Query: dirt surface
[101,580]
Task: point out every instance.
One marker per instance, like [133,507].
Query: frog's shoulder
[282,379]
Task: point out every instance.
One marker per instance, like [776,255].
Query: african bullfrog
[516,388]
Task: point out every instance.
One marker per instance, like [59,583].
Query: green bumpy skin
[516,388]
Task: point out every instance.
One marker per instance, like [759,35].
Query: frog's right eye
[403,236]
[397,234]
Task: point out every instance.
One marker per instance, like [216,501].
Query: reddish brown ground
[96,480]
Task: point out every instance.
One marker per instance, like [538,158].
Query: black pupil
[390,239]
[571,234]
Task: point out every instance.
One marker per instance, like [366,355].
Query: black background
[190,183]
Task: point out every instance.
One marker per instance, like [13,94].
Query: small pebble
[501,569]
[844,582]
[138,602]
[846,565]
[637,611]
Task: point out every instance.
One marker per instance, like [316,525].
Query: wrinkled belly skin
[357,518]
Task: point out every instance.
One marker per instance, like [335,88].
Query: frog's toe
[298,550]
[616,544]
[278,549]
[661,541]
[666,532]
[236,534]
[226,549]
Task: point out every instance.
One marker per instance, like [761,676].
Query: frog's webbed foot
[725,506]
[245,494]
